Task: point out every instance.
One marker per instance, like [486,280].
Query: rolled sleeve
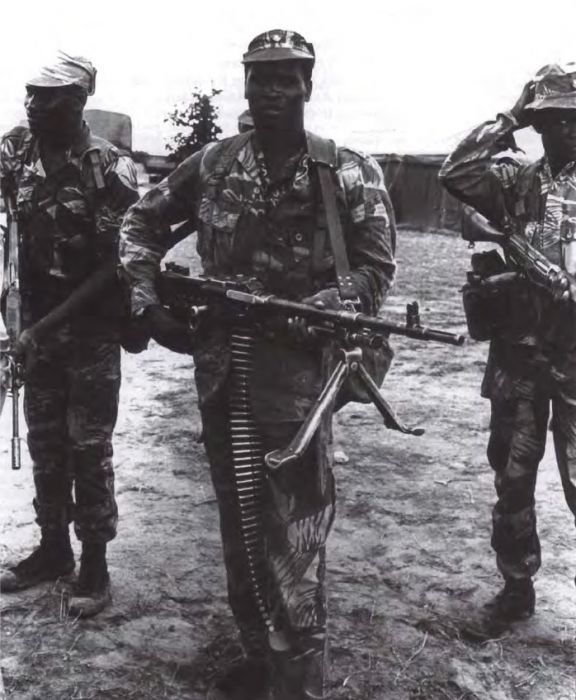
[371,238]
[145,232]
[470,172]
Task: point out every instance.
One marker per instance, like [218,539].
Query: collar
[251,159]
[546,172]
[76,151]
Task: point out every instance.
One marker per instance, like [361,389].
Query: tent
[112,126]
[419,199]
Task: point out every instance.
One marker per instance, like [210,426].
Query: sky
[407,76]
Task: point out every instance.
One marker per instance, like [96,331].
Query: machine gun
[11,370]
[239,300]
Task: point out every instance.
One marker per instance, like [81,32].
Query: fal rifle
[240,300]
[12,373]
[11,370]
[524,258]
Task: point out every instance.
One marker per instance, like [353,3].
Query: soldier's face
[53,113]
[558,130]
[277,92]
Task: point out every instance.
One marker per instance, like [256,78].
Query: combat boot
[249,680]
[91,592]
[516,601]
[52,560]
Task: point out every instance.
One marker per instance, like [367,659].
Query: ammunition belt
[248,463]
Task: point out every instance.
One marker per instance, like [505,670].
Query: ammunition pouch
[497,303]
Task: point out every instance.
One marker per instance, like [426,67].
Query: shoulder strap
[324,156]
[227,152]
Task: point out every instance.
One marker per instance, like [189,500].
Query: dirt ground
[410,563]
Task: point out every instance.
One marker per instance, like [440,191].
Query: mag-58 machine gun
[239,303]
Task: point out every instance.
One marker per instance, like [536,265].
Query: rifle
[240,301]
[11,369]
[524,257]
[11,364]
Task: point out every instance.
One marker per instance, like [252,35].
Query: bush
[197,121]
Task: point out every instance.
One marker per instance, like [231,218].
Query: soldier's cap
[66,70]
[279,45]
[554,87]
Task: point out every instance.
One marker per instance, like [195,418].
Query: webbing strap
[323,154]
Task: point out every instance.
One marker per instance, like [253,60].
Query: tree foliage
[197,122]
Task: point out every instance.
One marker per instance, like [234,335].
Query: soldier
[72,190]
[532,366]
[257,211]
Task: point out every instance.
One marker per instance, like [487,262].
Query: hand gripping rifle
[523,257]
[11,370]
[238,298]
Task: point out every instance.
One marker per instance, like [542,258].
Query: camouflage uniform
[525,374]
[68,224]
[275,231]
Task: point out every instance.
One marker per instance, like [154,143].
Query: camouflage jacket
[68,220]
[538,206]
[273,230]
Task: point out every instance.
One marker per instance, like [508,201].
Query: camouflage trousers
[521,403]
[71,405]
[298,508]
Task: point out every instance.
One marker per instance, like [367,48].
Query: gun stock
[476,228]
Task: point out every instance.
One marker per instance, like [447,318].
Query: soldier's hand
[325,299]
[168,331]
[562,288]
[519,109]
[25,344]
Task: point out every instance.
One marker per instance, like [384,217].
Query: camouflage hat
[279,45]
[66,70]
[554,87]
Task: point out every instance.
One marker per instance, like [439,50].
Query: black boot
[52,560]
[249,680]
[516,601]
[91,592]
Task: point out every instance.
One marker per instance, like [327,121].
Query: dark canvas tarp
[419,199]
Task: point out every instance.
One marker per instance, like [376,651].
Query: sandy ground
[410,563]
